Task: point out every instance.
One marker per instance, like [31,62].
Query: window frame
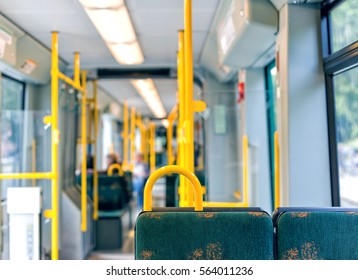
[334,64]
[270,122]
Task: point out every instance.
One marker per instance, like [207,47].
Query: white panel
[302,110]
[23,200]
[24,237]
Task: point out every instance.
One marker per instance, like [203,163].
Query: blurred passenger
[8,142]
[89,164]
[140,176]
[112,159]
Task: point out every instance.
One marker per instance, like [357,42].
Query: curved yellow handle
[167,170]
[115,166]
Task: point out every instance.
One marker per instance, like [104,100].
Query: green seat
[112,193]
[319,234]
[214,234]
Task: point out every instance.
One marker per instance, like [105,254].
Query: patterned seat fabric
[204,236]
[317,235]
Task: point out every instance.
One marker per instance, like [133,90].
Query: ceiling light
[112,20]
[127,53]
[115,25]
[101,4]
[148,92]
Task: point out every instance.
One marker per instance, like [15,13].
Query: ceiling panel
[156,22]
[170,5]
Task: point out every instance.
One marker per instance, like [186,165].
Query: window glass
[12,93]
[346,105]
[344,22]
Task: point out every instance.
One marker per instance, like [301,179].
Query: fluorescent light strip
[114,25]
[101,4]
[149,93]
[127,53]
[112,21]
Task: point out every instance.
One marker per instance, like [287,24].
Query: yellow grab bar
[33,160]
[168,170]
[37,175]
[84,150]
[152,147]
[245,143]
[115,166]
[224,204]
[277,170]
[125,135]
[55,138]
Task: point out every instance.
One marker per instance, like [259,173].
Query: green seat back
[204,236]
[317,235]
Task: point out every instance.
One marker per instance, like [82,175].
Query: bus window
[346,106]
[344,21]
[12,94]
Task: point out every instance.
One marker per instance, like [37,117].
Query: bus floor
[127,250]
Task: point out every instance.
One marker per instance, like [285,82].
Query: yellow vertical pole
[95,171]
[90,122]
[169,142]
[84,154]
[132,137]
[125,136]
[277,170]
[145,137]
[171,119]
[142,136]
[152,147]
[33,150]
[189,77]
[55,137]
[76,65]
[245,144]
[182,100]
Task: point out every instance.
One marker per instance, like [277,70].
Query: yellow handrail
[277,170]
[84,154]
[132,137]
[171,118]
[95,171]
[115,166]
[70,82]
[182,158]
[37,175]
[245,144]
[125,136]
[224,204]
[33,161]
[189,86]
[152,147]
[55,138]
[167,170]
